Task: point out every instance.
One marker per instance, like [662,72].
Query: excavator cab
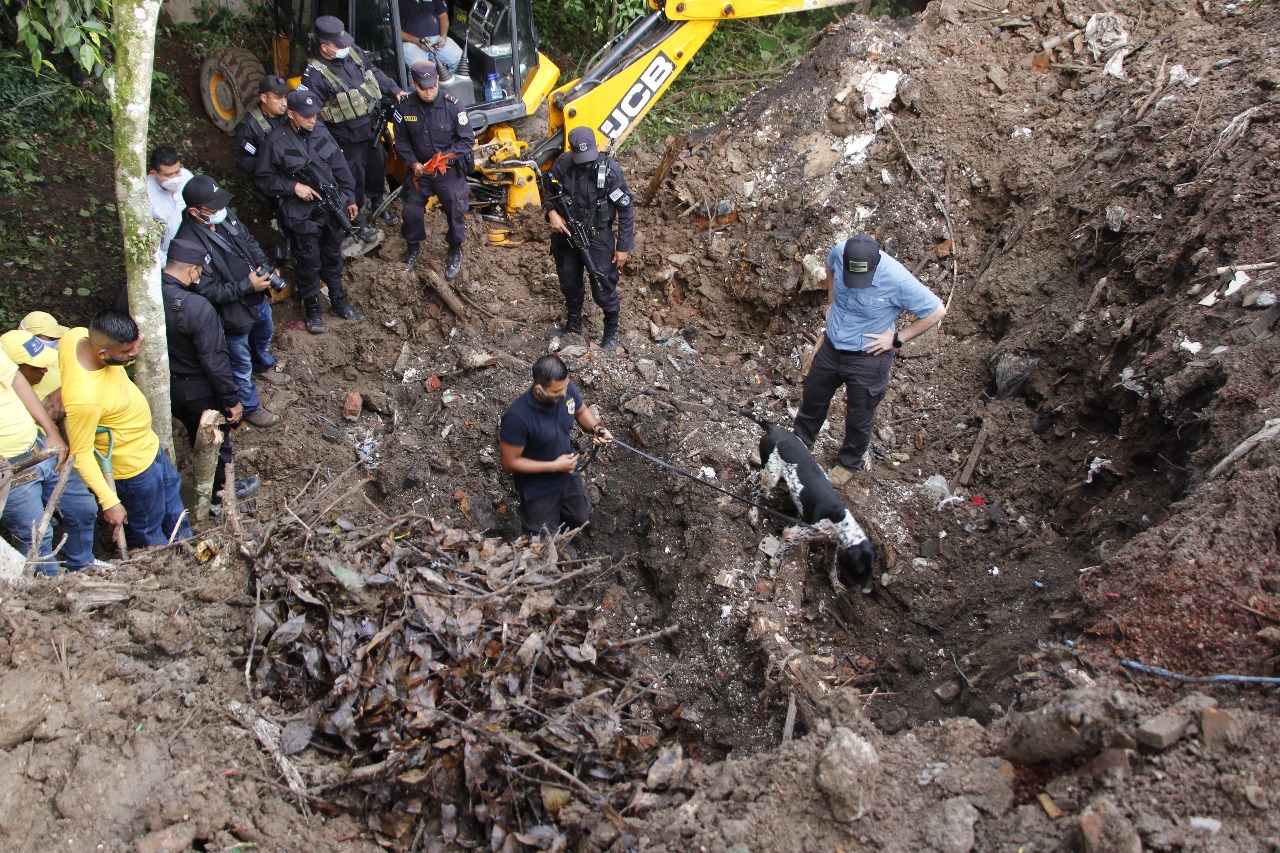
[498,37]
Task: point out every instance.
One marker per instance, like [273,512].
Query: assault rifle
[330,197]
[579,238]
[379,113]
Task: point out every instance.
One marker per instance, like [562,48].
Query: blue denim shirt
[857,312]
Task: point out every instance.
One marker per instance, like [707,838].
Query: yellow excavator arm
[633,71]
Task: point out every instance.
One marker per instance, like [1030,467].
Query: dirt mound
[1044,467]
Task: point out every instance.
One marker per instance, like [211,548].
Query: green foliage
[572,30]
[220,27]
[51,27]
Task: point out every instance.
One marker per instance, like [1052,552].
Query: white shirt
[167,207]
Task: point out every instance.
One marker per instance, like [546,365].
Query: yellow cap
[42,323]
[25,348]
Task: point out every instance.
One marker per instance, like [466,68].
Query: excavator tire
[229,86]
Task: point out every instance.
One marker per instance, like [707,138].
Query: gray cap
[424,74]
[861,257]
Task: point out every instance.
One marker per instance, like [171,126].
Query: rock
[1195,703]
[379,402]
[22,707]
[1220,729]
[999,78]
[680,260]
[1110,767]
[1104,830]
[171,839]
[1074,724]
[951,830]
[847,773]
[648,369]
[815,273]
[668,770]
[987,782]
[735,831]
[947,691]
[640,405]
[1208,825]
[1163,731]
[1256,796]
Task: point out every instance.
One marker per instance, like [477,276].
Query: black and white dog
[785,459]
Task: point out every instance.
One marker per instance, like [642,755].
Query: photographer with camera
[236,281]
[200,375]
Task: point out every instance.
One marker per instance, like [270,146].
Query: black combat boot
[386,216]
[363,231]
[340,306]
[609,341]
[315,317]
[572,326]
[411,257]
[453,265]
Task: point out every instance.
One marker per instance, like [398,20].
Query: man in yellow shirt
[20,415]
[48,330]
[97,392]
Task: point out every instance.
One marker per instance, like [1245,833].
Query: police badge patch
[570,405]
[462,119]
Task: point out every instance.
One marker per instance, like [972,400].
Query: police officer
[259,120]
[236,282]
[200,375]
[595,183]
[434,123]
[315,235]
[350,87]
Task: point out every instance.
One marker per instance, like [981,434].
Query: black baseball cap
[274,84]
[203,191]
[330,29]
[303,103]
[424,74]
[582,142]
[185,252]
[861,257]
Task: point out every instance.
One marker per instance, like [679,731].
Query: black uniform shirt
[580,183]
[426,128]
[346,70]
[286,151]
[250,136]
[197,346]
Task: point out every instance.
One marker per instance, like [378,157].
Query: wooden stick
[268,734]
[942,205]
[669,158]
[967,473]
[789,727]
[669,631]
[37,536]
[445,292]
[204,462]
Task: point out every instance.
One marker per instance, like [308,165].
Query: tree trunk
[134,35]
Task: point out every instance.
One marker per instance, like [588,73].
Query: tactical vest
[263,123]
[349,103]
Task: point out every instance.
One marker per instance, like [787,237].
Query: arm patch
[249,146]
[620,198]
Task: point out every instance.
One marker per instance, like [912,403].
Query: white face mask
[174,185]
[218,217]
[341,53]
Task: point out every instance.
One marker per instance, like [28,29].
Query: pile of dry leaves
[468,699]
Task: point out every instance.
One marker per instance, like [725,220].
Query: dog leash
[656,461]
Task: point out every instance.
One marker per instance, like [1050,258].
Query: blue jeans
[449,56]
[154,504]
[239,354]
[78,508]
[260,339]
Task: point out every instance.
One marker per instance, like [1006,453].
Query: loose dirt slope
[1088,214]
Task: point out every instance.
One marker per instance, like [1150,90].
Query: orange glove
[438,164]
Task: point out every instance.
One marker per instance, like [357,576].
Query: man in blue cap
[434,135]
[866,291]
[595,183]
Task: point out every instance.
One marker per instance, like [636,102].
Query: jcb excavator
[623,81]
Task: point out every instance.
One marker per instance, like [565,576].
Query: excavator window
[374,31]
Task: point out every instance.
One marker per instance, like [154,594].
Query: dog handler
[535,445]
[866,291]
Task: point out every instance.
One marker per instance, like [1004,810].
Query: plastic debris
[878,88]
[1192,347]
[1096,464]
[1178,74]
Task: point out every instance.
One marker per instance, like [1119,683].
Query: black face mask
[551,400]
[118,362]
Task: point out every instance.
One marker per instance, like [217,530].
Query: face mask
[216,218]
[553,400]
[117,362]
[342,53]
[172,185]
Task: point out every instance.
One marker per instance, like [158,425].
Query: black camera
[277,281]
